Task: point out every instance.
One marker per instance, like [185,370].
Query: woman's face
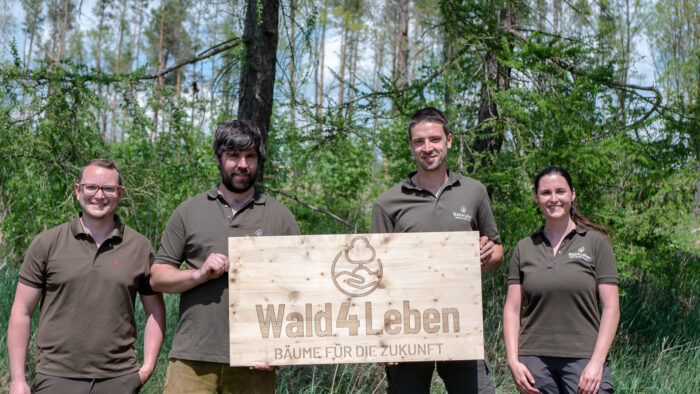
[554,197]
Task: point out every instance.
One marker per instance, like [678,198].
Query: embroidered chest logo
[580,254]
[462,214]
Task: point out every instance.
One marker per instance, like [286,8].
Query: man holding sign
[197,234]
[434,199]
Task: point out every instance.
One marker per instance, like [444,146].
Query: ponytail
[585,222]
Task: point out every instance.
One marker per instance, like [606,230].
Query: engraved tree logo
[355,271]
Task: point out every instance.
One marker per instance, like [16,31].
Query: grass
[657,348]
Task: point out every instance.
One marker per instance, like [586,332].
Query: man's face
[98,192]
[429,145]
[238,169]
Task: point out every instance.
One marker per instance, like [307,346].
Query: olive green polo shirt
[199,227]
[86,325]
[561,316]
[461,205]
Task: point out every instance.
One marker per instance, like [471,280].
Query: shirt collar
[452,180]
[77,228]
[213,194]
[580,230]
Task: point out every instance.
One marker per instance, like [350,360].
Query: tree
[257,80]
[674,32]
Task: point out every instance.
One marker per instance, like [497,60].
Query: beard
[237,186]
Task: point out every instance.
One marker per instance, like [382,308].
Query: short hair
[238,135]
[428,114]
[104,163]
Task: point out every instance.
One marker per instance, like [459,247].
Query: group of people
[88,271]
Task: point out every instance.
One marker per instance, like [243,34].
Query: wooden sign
[325,299]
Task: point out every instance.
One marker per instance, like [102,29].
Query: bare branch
[415,85]
[313,208]
[611,83]
[203,55]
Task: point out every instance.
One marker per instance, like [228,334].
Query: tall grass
[657,349]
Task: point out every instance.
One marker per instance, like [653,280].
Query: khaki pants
[129,383]
[200,377]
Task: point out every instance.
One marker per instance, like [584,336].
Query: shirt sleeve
[485,221]
[291,227]
[172,245]
[381,221]
[605,263]
[145,282]
[33,270]
[514,276]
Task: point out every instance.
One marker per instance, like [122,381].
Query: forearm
[606,333]
[18,334]
[168,279]
[511,322]
[511,328]
[154,331]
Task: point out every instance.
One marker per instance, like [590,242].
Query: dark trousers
[126,384]
[555,375]
[473,376]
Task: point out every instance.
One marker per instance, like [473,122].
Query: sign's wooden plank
[348,298]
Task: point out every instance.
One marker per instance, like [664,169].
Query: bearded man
[197,235]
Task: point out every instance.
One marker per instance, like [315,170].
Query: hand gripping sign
[324,299]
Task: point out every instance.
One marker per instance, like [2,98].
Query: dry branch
[203,55]
[313,208]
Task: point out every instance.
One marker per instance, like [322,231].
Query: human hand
[486,249]
[214,266]
[523,378]
[19,387]
[145,374]
[263,367]
[589,383]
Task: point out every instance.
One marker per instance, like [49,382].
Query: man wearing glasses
[87,272]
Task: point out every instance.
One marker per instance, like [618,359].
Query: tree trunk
[320,64]
[135,32]
[292,62]
[64,28]
[160,67]
[556,14]
[117,63]
[402,60]
[353,73]
[257,80]
[496,76]
[343,58]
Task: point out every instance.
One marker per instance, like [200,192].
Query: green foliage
[635,167]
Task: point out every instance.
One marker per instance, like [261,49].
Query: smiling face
[429,145]
[98,206]
[554,197]
[238,169]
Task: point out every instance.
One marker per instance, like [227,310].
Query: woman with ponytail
[562,274]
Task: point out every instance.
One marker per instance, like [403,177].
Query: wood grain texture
[323,299]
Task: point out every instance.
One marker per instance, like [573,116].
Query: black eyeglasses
[90,189]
